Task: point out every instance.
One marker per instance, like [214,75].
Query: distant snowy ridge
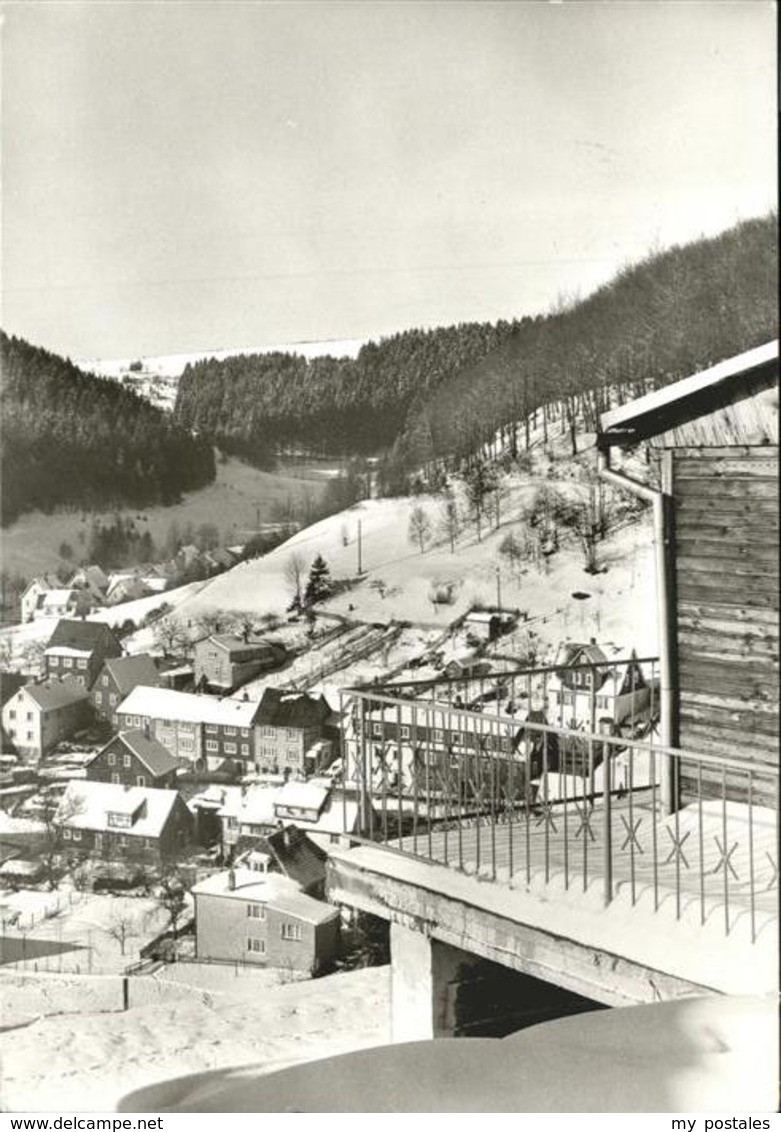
[172,365]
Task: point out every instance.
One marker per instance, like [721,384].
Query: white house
[595,684]
[38,716]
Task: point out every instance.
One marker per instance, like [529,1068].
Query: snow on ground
[73,931]
[87,1062]
[398,580]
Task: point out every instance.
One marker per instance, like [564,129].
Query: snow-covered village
[390,717]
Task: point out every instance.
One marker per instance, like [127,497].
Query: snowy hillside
[398,582]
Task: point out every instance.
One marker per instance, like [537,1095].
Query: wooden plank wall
[727,589]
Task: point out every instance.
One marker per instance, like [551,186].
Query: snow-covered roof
[57,597]
[663,407]
[67,650]
[302,795]
[86,805]
[187,707]
[278,892]
[255,806]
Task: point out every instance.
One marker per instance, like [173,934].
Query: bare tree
[209,622]
[121,926]
[171,896]
[511,549]
[419,530]
[293,573]
[451,520]
[168,635]
[55,816]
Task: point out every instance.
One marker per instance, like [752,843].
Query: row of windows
[28,715]
[28,735]
[67,662]
[569,698]
[437,736]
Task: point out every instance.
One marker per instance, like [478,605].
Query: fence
[508,797]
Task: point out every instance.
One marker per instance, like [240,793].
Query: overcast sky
[181,176]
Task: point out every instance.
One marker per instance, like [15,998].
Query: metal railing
[506,796]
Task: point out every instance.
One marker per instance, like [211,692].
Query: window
[77,835]
[437,736]
[126,760]
[376,729]
[230,748]
[104,681]
[230,730]
[66,835]
[257,945]
[245,750]
[291,932]
[212,745]
[292,733]
[29,736]
[245,732]
[67,662]
[211,729]
[12,714]
[112,759]
[256,911]
[112,698]
[405,732]
[140,780]
[29,717]
[122,839]
[82,664]
[98,840]
[186,744]
[115,779]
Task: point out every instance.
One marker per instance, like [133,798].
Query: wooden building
[717,438]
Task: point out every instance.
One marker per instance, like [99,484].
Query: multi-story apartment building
[200,731]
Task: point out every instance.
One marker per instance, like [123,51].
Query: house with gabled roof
[35,589]
[78,649]
[63,601]
[246,916]
[595,684]
[134,823]
[292,728]
[38,716]
[133,758]
[117,679]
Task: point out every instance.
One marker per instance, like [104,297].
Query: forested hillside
[658,321]
[433,395]
[257,405]
[72,439]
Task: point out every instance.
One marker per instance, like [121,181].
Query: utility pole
[498,589]
[360,563]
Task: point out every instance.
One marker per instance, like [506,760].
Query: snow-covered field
[88,1061]
[398,581]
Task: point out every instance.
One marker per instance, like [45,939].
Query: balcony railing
[504,795]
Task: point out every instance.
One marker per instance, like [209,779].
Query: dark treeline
[675,313]
[436,396]
[260,405]
[72,439]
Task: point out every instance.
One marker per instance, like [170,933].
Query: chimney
[245,697]
[231,880]
[592,640]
